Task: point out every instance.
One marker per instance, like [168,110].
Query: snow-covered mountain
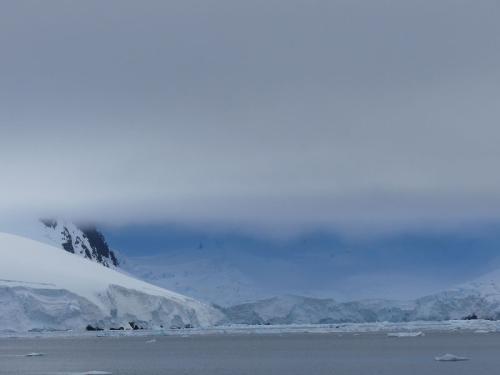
[83,240]
[243,283]
[230,269]
[213,280]
[205,276]
[44,288]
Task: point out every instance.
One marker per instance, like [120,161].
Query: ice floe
[34,355]
[483,331]
[450,358]
[405,334]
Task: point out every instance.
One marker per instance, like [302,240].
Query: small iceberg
[95,373]
[450,358]
[483,331]
[34,355]
[405,334]
[152,341]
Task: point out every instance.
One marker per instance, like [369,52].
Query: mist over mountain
[284,160]
[229,267]
[240,286]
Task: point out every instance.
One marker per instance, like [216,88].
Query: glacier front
[44,288]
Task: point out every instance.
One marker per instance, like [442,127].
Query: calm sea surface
[290,354]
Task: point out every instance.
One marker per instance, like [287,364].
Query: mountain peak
[83,240]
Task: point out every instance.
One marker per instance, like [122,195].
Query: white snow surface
[197,274]
[44,288]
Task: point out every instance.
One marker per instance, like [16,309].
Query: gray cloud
[299,112]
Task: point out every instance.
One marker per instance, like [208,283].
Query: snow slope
[214,280]
[487,285]
[80,239]
[42,287]
[245,270]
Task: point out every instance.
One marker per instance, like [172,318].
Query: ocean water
[253,354]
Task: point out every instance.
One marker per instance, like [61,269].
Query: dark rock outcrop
[81,239]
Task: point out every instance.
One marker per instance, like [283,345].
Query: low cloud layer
[261,112]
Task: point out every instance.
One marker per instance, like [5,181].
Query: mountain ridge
[80,239]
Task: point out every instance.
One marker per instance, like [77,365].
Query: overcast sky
[261,112]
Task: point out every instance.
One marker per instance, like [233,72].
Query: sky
[270,116]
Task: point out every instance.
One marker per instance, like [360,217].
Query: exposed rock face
[83,240]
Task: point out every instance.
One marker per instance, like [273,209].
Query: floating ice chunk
[450,358]
[405,334]
[34,355]
[95,373]
[151,341]
[482,331]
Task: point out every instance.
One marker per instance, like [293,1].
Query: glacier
[470,300]
[44,288]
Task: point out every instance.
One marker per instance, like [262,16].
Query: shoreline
[469,326]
